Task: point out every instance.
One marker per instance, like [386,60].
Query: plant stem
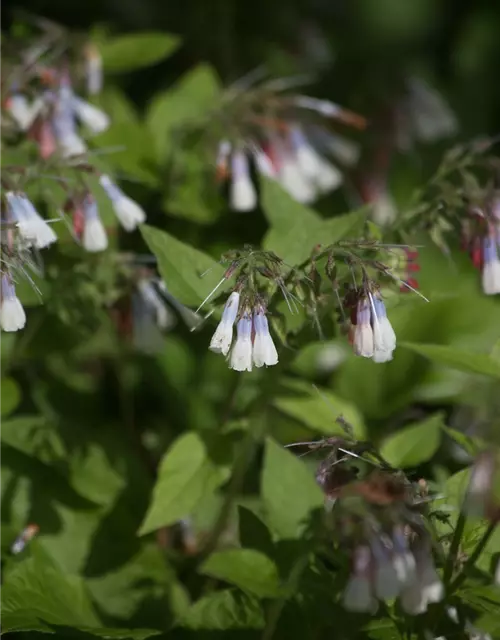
[473,557]
[455,545]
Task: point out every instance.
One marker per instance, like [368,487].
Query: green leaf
[296,229]
[451,357]
[227,609]
[253,532]
[36,595]
[10,396]
[413,444]
[189,101]
[247,569]
[181,266]
[289,491]
[128,52]
[318,411]
[185,476]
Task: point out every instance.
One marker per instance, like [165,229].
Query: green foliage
[414,444]
[128,52]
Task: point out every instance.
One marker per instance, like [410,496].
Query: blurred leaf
[247,569]
[289,491]
[414,444]
[227,609]
[451,357]
[253,532]
[10,396]
[181,266]
[185,476]
[297,229]
[184,104]
[37,595]
[128,52]
[318,410]
[470,445]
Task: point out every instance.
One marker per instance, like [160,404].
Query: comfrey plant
[260,275]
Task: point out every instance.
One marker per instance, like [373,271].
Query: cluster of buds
[481,239]
[403,262]
[370,333]
[276,139]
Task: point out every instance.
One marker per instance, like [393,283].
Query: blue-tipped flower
[128,212]
[223,336]
[12,316]
[94,234]
[264,351]
[241,354]
[242,194]
[374,336]
[32,227]
[491,265]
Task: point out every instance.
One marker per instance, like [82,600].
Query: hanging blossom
[371,332]
[286,149]
[481,239]
[94,237]
[388,567]
[128,212]
[12,315]
[30,224]
[254,345]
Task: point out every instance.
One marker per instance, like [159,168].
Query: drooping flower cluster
[254,345]
[371,332]
[389,566]
[285,148]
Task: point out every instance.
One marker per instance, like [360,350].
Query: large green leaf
[185,476]
[451,357]
[133,51]
[36,595]
[184,104]
[296,229]
[247,569]
[289,491]
[226,609]
[181,266]
[413,444]
[318,410]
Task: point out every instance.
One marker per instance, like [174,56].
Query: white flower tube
[32,227]
[242,194]
[293,181]
[240,358]
[94,234]
[384,338]
[358,595]
[363,333]
[312,165]
[92,117]
[491,267]
[128,212]
[264,351]
[12,315]
[223,336]
[20,110]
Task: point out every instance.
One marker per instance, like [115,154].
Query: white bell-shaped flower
[386,580]
[264,164]
[264,351]
[32,227]
[358,594]
[12,315]
[20,110]
[363,333]
[293,180]
[312,165]
[71,144]
[223,336]
[384,210]
[242,194]
[91,116]
[491,266]
[128,212]
[94,234]
[240,358]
